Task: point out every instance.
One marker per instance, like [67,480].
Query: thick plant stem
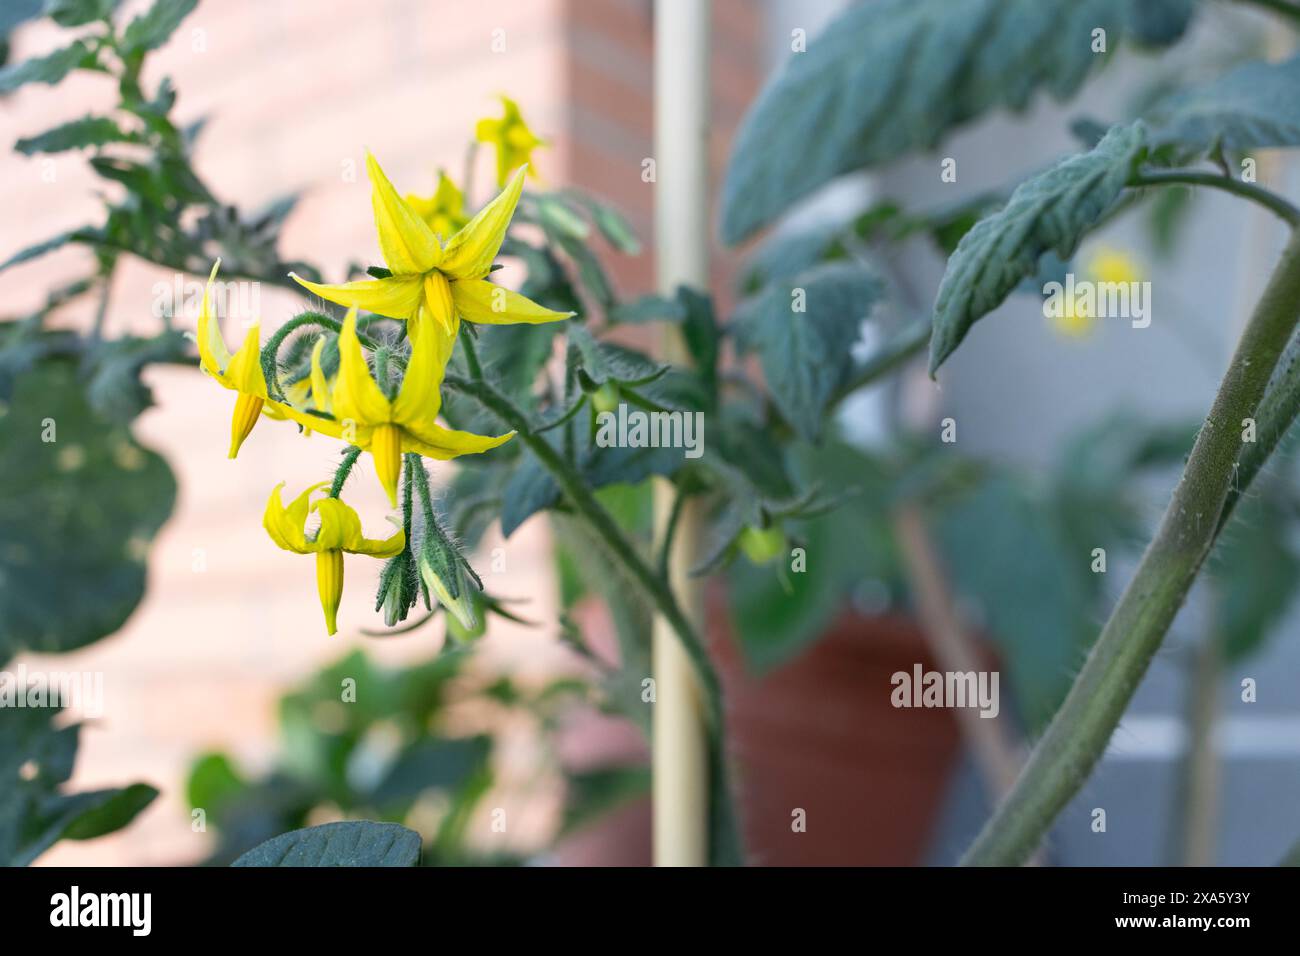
[1078,734]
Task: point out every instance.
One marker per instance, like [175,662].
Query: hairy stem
[271,350]
[1192,177]
[344,469]
[1078,734]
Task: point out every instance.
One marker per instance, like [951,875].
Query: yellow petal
[245,369]
[357,397]
[470,253]
[343,528]
[438,302]
[406,241]
[329,585]
[478,300]
[213,354]
[247,409]
[443,444]
[386,450]
[285,525]
[445,336]
[419,398]
[326,426]
[396,297]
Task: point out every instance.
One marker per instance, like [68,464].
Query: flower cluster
[385,398]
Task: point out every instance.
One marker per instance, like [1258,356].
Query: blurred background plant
[803,516]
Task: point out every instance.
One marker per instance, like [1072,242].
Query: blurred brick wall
[296,92]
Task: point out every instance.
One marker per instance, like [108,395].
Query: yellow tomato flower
[241,372]
[340,531]
[1113,265]
[444,211]
[366,417]
[1073,322]
[511,137]
[434,284]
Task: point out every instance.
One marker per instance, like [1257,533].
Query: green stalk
[1271,201]
[350,456]
[655,588]
[1078,734]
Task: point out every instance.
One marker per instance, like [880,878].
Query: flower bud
[444,572]
[762,545]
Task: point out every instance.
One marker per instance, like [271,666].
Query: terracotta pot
[819,734]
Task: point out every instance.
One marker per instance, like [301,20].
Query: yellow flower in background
[365,416]
[1072,322]
[339,531]
[1075,318]
[1108,264]
[434,285]
[444,211]
[510,136]
[240,372]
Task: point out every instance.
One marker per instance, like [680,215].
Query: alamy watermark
[237,300]
[1098,300]
[79,691]
[922,688]
[637,428]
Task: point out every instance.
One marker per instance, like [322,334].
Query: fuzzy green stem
[271,350]
[1078,734]
[350,456]
[470,352]
[1192,177]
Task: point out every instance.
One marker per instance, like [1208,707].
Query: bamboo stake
[679,758]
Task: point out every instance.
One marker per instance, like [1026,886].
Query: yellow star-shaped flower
[366,417]
[240,372]
[340,531]
[435,285]
[511,137]
[444,211]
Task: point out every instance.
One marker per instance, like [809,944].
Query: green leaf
[432,763]
[14,13]
[87,131]
[153,28]
[1051,212]
[354,843]
[212,783]
[602,362]
[78,513]
[806,355]
[106,811]
[36,758]
[594,793]
[648,308]
[76,13]
[36,251]
[48,69]
[611,223]
[531,489]
[114,388]
[1005,552]
[1253,573]
[1254,106]
[895,76]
